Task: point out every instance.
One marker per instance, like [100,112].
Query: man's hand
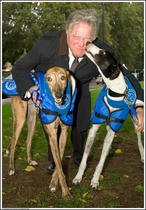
[34,95]
[140,119]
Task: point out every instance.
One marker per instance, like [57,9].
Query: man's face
[77,37]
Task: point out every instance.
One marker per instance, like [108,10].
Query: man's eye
[49,79]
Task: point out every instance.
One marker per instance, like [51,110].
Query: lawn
[121,187]
[40,144]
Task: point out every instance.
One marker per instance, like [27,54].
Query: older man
[67,49]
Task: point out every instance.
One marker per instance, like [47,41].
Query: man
[61,48]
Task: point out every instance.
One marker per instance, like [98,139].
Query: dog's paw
[7,152]
[52,189]
[94,184]
[11,172]
[142,160]
[76,180]
[66,194]
[33,163]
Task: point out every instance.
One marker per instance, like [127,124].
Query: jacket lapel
[83,64]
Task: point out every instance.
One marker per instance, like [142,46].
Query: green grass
[39,143]
[142,84]
[81,195]
[139,188]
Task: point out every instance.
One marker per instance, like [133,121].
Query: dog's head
[104,60]
[57,80]
[7,67]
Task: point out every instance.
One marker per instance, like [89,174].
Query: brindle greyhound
[55,109]
[113,104]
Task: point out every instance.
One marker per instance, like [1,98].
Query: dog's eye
[49,79]
[62,77]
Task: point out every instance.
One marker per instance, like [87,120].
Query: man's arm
[21,69]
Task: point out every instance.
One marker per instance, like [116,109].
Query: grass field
[40,144]
[30,190]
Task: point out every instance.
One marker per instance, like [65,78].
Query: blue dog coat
[115,119]
[49,108]
[9,87]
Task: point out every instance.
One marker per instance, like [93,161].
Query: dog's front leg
[89,143]
[52,133]
[62,144]
[106,147]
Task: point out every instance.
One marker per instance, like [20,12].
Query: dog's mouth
[58,100]
[58,95]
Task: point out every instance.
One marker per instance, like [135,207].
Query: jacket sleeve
[21,69]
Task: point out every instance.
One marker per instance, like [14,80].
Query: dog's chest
[109,106]
[57,122]
[105,113]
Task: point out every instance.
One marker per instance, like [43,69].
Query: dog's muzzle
[93,49]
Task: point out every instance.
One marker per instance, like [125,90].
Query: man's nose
[82,43]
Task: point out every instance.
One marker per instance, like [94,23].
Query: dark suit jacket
[51,50]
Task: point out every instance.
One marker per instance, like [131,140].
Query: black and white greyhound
[114,102]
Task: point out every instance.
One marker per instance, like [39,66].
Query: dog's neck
[104,62]
[117,85]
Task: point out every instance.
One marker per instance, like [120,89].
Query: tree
[127,33]
[24,22]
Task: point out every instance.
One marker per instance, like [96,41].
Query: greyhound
[56,93]
[112,106]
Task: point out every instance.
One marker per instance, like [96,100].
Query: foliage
[121,26]
[127,33]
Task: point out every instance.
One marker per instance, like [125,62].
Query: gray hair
[86,15]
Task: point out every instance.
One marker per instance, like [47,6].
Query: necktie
[74,64]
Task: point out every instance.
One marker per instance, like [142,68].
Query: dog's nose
[58,94]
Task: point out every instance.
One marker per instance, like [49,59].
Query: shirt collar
[72,57]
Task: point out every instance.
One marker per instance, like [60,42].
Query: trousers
[78,141]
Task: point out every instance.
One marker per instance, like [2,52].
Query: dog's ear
[73,83]
[67,74]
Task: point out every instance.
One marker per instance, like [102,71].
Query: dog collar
[115,94]
[129,97]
